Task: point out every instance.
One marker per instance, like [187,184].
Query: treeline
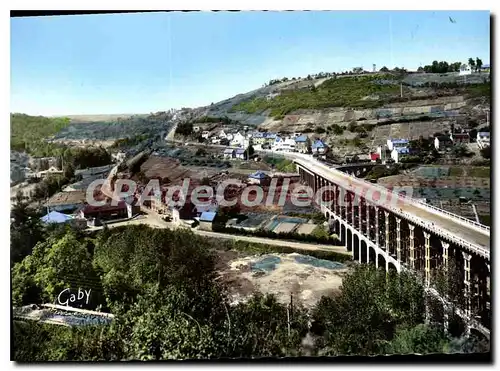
[82,158]
[168,303]
[290,236]
[27,132]
[322,75]
[444,67]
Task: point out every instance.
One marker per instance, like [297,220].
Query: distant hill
[102,118]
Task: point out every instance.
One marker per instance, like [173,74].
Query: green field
[473,172]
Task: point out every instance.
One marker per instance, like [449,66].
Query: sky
[150,62]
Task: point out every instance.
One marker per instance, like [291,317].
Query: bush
[219,227]
[336,129]
[319,130]
[486,152]
[352,127]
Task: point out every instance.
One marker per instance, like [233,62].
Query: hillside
[356,112]
[27,132]
[101,118]
[350,112]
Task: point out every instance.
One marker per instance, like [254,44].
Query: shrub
[336,129]
[352,127]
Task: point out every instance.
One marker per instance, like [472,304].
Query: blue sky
[148,62]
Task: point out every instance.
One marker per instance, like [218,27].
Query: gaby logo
[65,297]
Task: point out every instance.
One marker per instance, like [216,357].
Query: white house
[396,143]
[319,147]
[286,145]
[465,69]
[205,134]
[442,141]
[241,153]
[483,139]
[238,139]
[50,171]
[119,157]
[228,153]
[196,129]
[259,177]
[398,153]
[222,134]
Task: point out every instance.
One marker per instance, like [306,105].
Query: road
[452,227]
[155,222]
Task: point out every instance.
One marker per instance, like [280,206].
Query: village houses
[302,144]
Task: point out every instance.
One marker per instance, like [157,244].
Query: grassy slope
[334,92]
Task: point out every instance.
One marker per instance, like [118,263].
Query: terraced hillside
[374,101]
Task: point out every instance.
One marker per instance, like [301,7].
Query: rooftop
[67,198]
[258,175]
[302,138]
[318,144]
[120,205]
[403,150]
[207,216]
[443,138]
[55,217]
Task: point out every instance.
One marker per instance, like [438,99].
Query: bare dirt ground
[306,282]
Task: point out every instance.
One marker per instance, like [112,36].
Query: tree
[479,64]
[384,69]
[352,127]
[69,171]
[420,339]
[367,296]
[185,129]
[134,258]
[486,152]
[472,63]
[420,69]
[62,261]
[25,230]
[461,151]
[435,67]
[250,151]
[200,152]
[337,129]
